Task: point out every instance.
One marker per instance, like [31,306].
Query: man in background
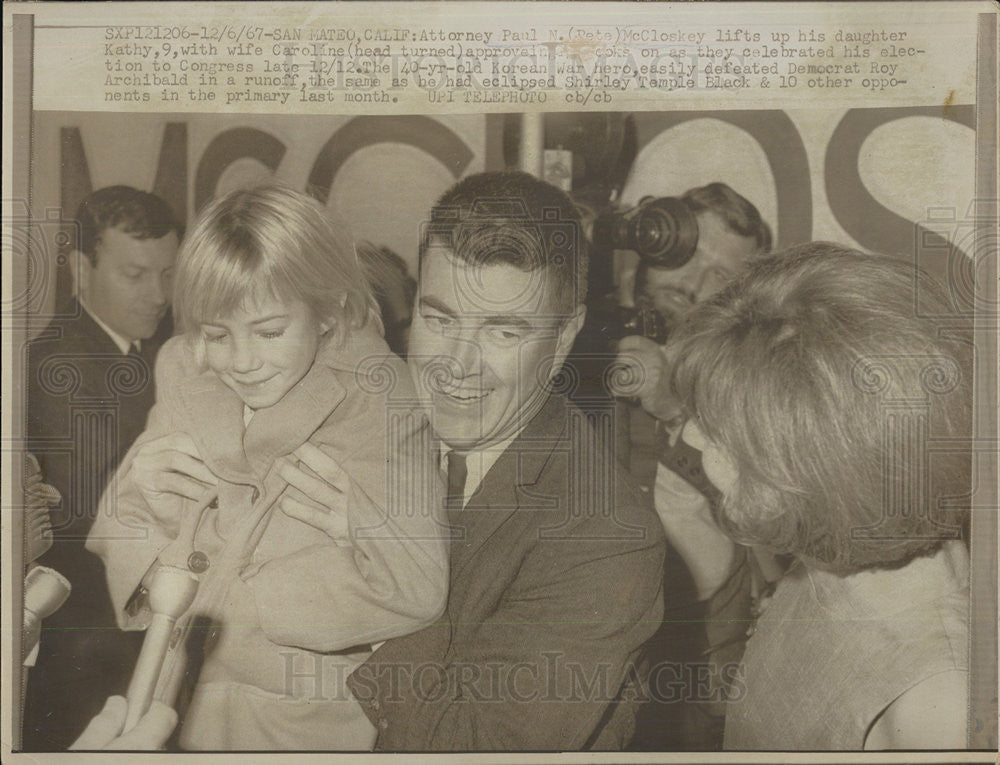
[730,232]
[394,291]
[90,387]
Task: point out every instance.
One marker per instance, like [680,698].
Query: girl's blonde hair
[270,241]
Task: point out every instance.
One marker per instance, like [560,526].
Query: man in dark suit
[90,386]
[556,566]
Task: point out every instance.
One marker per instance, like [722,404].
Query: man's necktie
[457,473]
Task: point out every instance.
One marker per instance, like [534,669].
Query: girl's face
[263,349]
[717,464]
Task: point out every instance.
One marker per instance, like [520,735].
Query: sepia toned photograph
[615,381]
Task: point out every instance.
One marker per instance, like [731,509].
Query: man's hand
[646,363]
[150,733]
[319,499]
[167,470]
[38,498]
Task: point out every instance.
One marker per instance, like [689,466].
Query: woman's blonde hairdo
[815,372]
[270,241]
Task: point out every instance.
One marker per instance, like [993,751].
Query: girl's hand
[168,470]
[317,497]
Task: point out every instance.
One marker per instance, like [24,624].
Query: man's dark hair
[514,219]
[740,215]
[139,214]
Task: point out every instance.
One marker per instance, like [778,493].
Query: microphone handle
[147,669]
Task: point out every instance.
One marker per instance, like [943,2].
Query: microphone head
[172,591]
[45,590]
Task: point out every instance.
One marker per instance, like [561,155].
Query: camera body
[612,323]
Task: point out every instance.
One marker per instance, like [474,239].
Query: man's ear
[567,334]
[80,268]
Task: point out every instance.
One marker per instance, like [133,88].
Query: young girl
[281,371]
[835,421]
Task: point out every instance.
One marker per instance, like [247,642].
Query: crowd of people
[443,553]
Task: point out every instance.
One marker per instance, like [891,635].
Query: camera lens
[664,231]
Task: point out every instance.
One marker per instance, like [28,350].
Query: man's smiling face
[484,342]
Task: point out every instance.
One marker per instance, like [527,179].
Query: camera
[662,231]
[612,323]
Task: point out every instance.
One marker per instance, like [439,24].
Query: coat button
[383,723]
[214,504]
[198,562]
[375,705]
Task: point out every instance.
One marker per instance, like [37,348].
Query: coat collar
[507,486]
[76,325]
[214,414]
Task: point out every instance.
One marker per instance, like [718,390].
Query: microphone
[45,590]
[170,594]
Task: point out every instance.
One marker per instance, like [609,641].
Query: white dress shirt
[477,464]
[123,343]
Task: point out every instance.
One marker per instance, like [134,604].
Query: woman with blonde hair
[834,418]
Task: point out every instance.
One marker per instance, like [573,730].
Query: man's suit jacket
[87,403]
[556,582]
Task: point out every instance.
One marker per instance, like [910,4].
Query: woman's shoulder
[931,714]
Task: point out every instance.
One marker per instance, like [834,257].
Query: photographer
[730,233]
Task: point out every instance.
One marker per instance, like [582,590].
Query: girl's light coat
[285,611]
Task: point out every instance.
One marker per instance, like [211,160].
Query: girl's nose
[244,357]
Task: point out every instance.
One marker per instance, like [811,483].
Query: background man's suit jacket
[555,584]
[87,403]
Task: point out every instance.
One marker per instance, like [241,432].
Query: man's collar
[123,343]
[478,462]
[536,441]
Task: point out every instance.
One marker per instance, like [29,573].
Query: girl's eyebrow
[254,323]
[271,317]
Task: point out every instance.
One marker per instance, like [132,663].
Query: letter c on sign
[424,133]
